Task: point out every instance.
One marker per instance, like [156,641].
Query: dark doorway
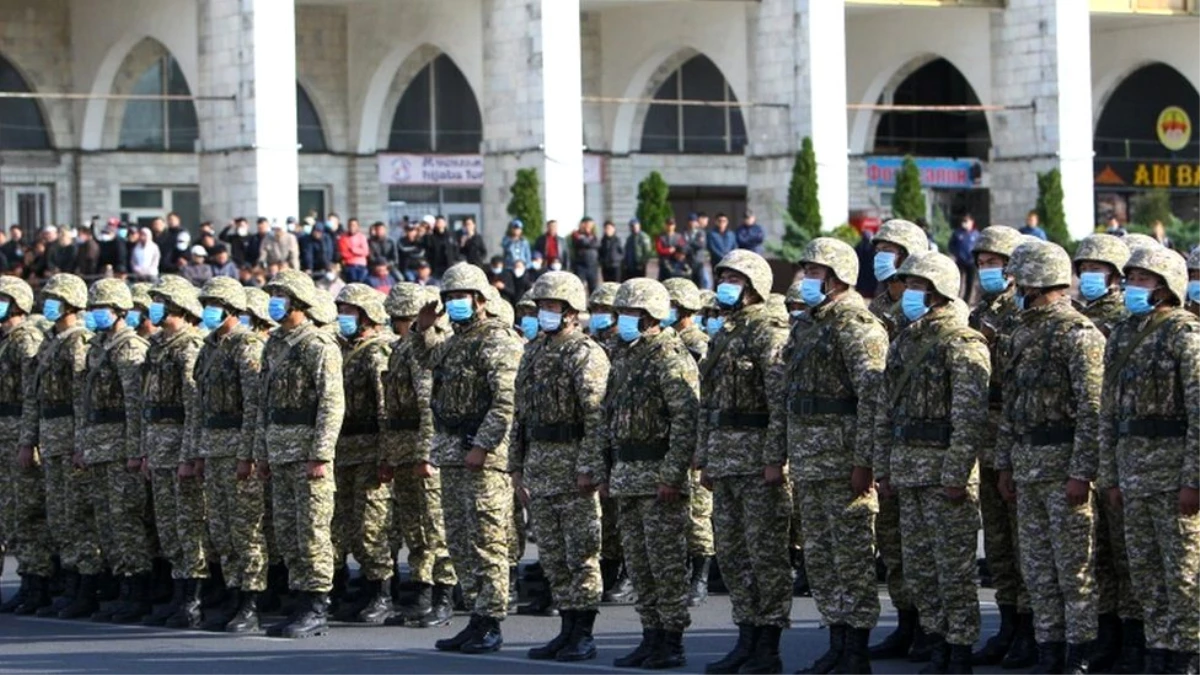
[933,134]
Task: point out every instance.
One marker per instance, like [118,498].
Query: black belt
[1050,435]
[556,433]
[650,451]
[995,396]
[463,428]
[106,416]
[50,412]
[404,423]
[819,405]
[1152,428]
[163,413]
[734,419]
[10,409]
[294,417]
[360,427]
[937,433]
[223,422]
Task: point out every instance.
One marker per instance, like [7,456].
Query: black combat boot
[270,599]
[514,589]
[340,593]
[635,658]
[1051,657]
[9,606]
[487,637]
[212,590]
[454,644]
[939,657]
[622,591]
[1187,663]
[541,601]
[742,649]
[188,615]
[109,609]
[898,642]
[71,581]
[159,616]
[1133,648]
[378,606]
[549,650]
[1078,658]
[312,619]
[826,662]
[162,586]
[85,602]
[1024,650]
[765,660]
[442,610]
[960,660]
[856,657]
[36,596]
[581,646]
[278,628]
[1158,661]
[993,651]
[245,619]
[800,586]
[668,652]
[138,605]
[1107,644]
[412,612]
[698,588]
[608,574]
[216,619]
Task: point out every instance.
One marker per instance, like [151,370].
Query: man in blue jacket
[962,243]
[750,234]
[721,240]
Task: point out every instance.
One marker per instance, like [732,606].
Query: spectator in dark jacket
[409,251]
[513,282]
[312,251]
[721,240]
[221,265]
[553,248]
[441,248]
[113,250]
[14,248]
[382,248]
[638,249]
[612,252]
[253,247]
[197,270]
[962,244]
[585,253]
[471,246]
[666,245]
[235,235]
[169,243]
[750,234]
[62,255]
[87,256]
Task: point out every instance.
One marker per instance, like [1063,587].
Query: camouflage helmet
[708,300]
[140,292]
[935,268]
[179,292]
[835,254]
[750,265]
[106,293]
[1029,243]
[684,294]
[526,301]
[1136,240]
[298,285]
[365,298]
[1166,264]
[1193,259]
[465,277]
[903,233]
[19,291]
[644,294]
[562,286]
[226,291]
[998,239]
[1103,248]
[793,294]
[1046,266]
[404,300]
[604,295]
[323,310]
[68,288]
[256,305]
[499,308]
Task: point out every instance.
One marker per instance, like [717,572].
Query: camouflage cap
[404,300]
[562,286]
[998,239]
[367,299]
[1029,243]
[499,308]
[323,310]
[226,291]
[107,293]
[793,294]
[256,305]
[903,233]
[140,292]
[526,301]
[644,294]
[1136,240]
[298,285]
[465,277]
[19,291]
[708,299]
[835,254]
[69,288]
[604,295]
[750,265]
[1103,248]
[1166,264]
[179,292]
[684,294]
[1046,266]
[1193,259]
[935,268]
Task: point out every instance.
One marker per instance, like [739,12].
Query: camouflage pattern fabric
[518,527]
[46,421]
[302,512]
[700,509]
[1107,311]
[1115,592]
[568,532]
[888,311]
[1164,562]
[652,536]
[81,551]
[478,508]
[301,381]
[235,524]
[751,524]
[120,507]
[364,363]
[361,517]
[610,530]
[22,492]
[695,340]
[839,545]
[419,521]
[180,521]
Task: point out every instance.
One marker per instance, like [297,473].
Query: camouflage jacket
[364,365]
[302,400]
[227,378]
[944,395]
[1052,386]
[111,430]
[18,377]
[888,311]
[54,407]
[170,405]
[739,385]
[559,389]
[407,388]
[695,340]
[1158,382]
[472,396]
[1107,311]
[836,359]
[996,317]
[607,339]
[650,410]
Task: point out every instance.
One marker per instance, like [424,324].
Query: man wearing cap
[638,249]
[197,269]
[514,245]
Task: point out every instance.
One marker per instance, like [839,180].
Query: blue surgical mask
[992,280]
[244,319]
[348,325]
[1093,285]
[158,312]
[812,292]
[672,318]
[1020,300]
[885,265]
[460,309]
[714,325]
[529,327]
[102,319]
[700,322]
[277,308]
[600,322]
[629,327]
[122,232]
[89,322]
[728,294]
[913,304]
[549,321]
[1137,300]
[4,305]
[212,317]
[133,318]
[1194,290]
[52,309]
[796,313]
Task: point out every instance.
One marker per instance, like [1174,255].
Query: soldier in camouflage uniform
[405,445]
[497,307]
[1098,261]
[929,423]
[22,485]
[323,311]
[996,317]
[798,321]
[1149,432]
[226,373]
[751,499]
[526,316]
[1136,240]
[1048,438]
[138,318]
[472,403]
[1193,287]
[831,372]
[49,419]
[650,411]
[557,460]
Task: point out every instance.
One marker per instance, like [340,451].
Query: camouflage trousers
[417,520]
[700,527]
[57,474]
[940,539]
[478,508]
[180,521]
[274,557]
[1056,561]
[796,531]
[839,553]
[303,510]
[517,528]
[750,521]
[81,546]
[568,537]
[1001,542]
[235,524]
[119,508]
[8,496]
[888,541]
[610,530]
[653,536]
[362,514]
[1115,590]
[1164,563]
[29,537]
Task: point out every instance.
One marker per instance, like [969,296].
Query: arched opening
[676,128]
[22,126]
[310,135]
[437,113]
[160,125]
[933,133]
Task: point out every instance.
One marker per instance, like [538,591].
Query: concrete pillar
[1046,62]
[532,113]
[797,57]
[248,155]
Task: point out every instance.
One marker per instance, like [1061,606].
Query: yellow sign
[1167,175]
[1174,128]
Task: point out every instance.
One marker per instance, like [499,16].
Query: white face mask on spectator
[556,265]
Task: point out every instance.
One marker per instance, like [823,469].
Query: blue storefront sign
[938,173]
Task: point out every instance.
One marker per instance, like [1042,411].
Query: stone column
[248,155]
[1041,56]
